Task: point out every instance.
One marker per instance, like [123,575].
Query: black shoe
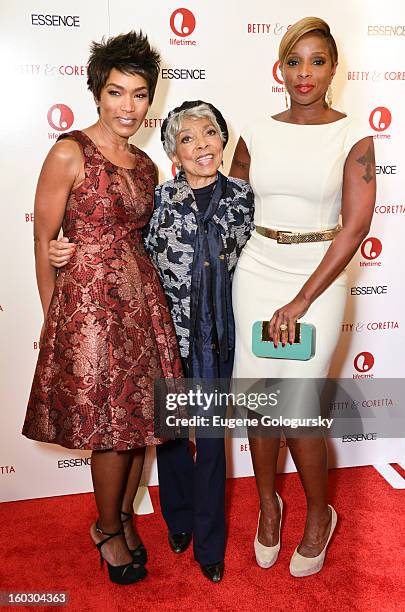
[120,574]
[214,572]
[179,542]
[139,553]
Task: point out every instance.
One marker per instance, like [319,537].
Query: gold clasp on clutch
[266,332]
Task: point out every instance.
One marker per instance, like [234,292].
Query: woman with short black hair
[108,334]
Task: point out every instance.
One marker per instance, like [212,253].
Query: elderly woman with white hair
[200,224]
[201,221]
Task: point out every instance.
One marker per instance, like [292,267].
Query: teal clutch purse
[303,347]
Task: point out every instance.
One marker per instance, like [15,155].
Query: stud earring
[329,96]
[285,98]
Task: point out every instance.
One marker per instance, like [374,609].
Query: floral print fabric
[108,334]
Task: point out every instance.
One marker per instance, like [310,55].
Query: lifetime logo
[370,250]
[278,77]
[380,120]
[363,363]
[182,23]
[60,117]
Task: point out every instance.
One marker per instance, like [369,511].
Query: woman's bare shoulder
[66,150]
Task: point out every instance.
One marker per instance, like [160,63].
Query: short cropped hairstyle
[130,54]
[175,123]
[308,25]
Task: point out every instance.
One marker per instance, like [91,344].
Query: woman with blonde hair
[307,165]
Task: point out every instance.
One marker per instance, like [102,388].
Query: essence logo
[370,250]
[78,462]
[364,437]
[70,21]
[363,363]
[369,290]
[380,120]
[386,30]
[60,117]
[182,23]
[387,169]
[183,73]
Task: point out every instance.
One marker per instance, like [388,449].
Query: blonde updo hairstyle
[307,25]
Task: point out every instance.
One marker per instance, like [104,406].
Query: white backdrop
[228,53]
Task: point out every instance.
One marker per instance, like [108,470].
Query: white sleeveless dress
[296,173]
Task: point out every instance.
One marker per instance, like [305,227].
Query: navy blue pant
[192,494]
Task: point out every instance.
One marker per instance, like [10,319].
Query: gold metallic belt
[285,237]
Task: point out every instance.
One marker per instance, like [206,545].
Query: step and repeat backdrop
[226,53]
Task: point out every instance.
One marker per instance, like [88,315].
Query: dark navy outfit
[195,239]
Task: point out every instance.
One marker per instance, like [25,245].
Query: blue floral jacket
[174,239]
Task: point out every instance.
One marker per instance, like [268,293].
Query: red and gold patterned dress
[108,334]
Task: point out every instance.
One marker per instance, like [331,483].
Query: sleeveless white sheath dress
[296,173]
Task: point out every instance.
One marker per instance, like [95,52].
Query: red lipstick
[304,88]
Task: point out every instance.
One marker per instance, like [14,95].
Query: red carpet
[45,545]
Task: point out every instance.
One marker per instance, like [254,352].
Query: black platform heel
[139,553]
[120,574]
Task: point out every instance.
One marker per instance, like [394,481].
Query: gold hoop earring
[285,98]
[329,96]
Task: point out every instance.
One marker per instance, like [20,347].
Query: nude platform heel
[266,556]
[306,566]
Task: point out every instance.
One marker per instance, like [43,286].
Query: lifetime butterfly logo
[182,24]
[60,118]
[371,250]
[380,120]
